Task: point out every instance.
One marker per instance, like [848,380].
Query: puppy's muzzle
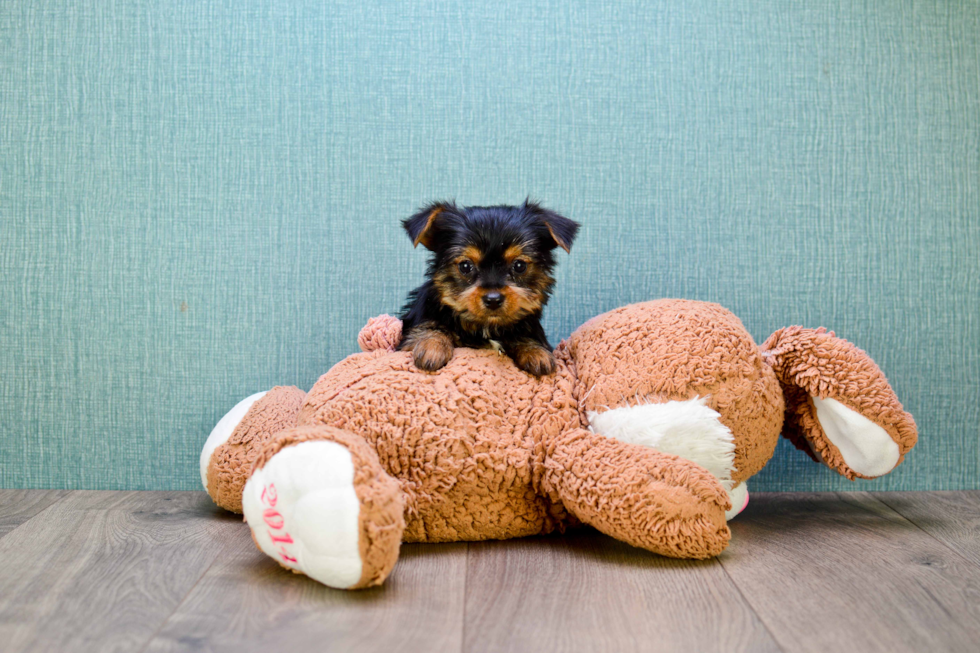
[493,300]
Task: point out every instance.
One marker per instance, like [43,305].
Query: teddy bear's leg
[226,459]
[840,409]
[319,502]
[649,499]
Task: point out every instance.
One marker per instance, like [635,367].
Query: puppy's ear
[422,226]
[561,229]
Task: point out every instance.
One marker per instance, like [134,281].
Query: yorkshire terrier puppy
[489,277]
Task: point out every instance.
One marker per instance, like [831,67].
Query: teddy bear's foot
[226,459]
[319,503]
[840,409]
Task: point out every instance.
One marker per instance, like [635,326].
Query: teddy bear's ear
[423,226]
[561,229]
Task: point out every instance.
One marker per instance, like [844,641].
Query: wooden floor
[167,571]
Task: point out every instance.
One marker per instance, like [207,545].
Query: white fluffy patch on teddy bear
[303,511]
[689,429]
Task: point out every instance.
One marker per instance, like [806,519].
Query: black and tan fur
[489,278]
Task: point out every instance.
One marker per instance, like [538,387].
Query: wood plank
[837,572]
[584,591]
[101,571]
[115,570]
[247,602]
[953,518]
[17,506]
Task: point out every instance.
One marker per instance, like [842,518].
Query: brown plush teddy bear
[657,415]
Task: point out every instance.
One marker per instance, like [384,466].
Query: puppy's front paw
[432,352]
[535,360]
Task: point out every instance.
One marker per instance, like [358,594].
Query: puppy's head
[491,265]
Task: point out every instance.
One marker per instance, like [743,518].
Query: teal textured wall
[200,200]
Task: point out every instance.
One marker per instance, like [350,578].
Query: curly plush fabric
[481,450]
[466,442]
[646,498]
[276,411]
[470,443]
[816,363]
[380,333]
[674,350]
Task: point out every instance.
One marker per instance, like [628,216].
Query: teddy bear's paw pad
[223,430]
[866,448]
[739,496]
[303,512]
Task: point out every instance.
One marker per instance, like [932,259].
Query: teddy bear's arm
[649,499]
[840,408]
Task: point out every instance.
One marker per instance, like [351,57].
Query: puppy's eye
[519,266]
[465,268]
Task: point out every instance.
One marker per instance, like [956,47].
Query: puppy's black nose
[493,300]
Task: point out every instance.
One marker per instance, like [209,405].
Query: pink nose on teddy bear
[656,417]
